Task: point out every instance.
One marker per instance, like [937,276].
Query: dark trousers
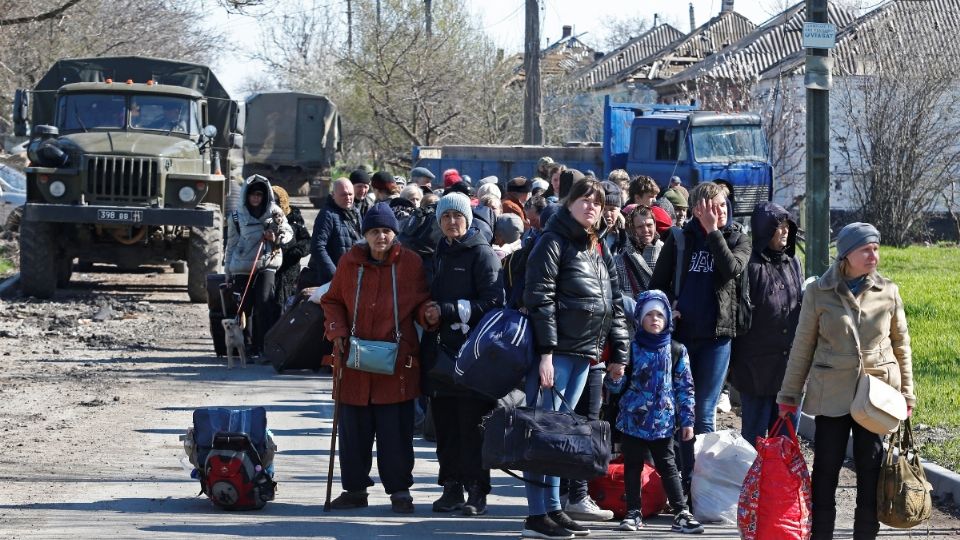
[459,440]
[392,427]
[829,452]
[634,453]
[259,306]
[589,406]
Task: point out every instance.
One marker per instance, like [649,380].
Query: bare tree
[39,17]
[619,30]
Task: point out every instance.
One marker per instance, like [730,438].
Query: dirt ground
[97,384]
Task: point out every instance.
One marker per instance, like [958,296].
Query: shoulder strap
[236,220]
[356,302]
[856,331]
[679,242]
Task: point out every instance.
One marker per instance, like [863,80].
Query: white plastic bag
[722,462]
[317,294]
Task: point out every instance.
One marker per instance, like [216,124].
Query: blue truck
[659,141]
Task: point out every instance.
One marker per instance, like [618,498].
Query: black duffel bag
[551,443]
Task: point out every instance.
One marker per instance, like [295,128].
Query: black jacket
[759,357]
[730,248]
[293,251]
[573,295]
[334,232]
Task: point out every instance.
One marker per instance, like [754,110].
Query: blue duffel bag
[497,354]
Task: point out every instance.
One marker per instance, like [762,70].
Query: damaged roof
[709,38]
[562,57]
[779,37]
[930,27]
[635,50]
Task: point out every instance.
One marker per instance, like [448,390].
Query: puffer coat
[573,295]
[335,231]
[824,353]
[245,231]
[375,321]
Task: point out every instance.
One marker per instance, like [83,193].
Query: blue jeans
[569,378]
[709,359]
[758,414]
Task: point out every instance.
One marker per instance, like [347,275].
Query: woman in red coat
[374,406]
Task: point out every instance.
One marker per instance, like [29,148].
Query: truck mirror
[239,117]
[236,141]
[21,108]
[209,131]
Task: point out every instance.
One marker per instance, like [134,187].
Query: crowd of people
[637,299]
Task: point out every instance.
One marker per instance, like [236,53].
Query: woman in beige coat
[825,357]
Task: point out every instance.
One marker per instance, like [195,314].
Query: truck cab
[702,146]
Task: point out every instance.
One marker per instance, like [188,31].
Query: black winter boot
[476,502]
[452,498]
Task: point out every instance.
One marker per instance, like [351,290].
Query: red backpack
[609,491]
[233,475]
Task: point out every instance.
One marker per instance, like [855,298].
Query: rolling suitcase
[214,301]
[296,341]
[217,333]
[220,301]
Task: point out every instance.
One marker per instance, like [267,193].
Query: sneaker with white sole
[587,510]
[685,523]
[633,521]
[723,403]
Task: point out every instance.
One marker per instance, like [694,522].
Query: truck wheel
[204,253]
[38,259]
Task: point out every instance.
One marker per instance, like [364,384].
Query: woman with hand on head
[850,313]
[377,406]
[575,305]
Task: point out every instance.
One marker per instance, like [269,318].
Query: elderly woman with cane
[377,293]
[852,319]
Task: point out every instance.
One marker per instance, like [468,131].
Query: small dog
[233,334]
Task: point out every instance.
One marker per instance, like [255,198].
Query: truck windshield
[164,113]
[725,144]
[91,111]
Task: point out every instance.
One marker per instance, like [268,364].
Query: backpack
[496,355]
[421,232]
[232,454]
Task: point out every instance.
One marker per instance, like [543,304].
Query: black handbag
[443,367]
[552,443]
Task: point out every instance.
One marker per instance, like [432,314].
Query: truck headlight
[57,188]
[187,194]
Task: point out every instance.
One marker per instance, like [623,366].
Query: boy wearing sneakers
[657,392]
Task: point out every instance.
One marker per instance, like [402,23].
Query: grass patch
[929,280]
[6,265]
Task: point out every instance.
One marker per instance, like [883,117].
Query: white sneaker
[723,404]
[587,510]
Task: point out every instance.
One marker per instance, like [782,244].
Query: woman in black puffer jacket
[573,297]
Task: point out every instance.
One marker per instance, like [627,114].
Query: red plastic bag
[610,493]
[775,501]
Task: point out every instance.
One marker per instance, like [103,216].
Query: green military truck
[127,156]
[292,138]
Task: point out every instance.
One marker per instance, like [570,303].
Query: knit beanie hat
[359,176]
[450,177]
[648,306]
[612,192]
[457,202]
[509,227]
[378,216]
[676,198]
[661,220]
[381,180]
[855,235]
[489,189]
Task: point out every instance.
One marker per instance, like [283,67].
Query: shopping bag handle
[781,421]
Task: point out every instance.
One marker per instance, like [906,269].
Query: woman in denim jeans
[575,305]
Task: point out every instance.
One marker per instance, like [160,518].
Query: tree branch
[41,17]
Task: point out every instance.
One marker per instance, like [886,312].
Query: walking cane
[337,371]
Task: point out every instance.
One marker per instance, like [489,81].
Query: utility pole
[818,80]
[349,27]
[378,14]
[532,101]
[428,13]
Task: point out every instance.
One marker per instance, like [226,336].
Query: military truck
[293,139]
[126,167]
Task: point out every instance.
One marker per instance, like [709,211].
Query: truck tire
[38,259]
[204,253]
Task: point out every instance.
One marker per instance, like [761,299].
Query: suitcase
[296,341]
[214,301]
[609,491]
[217,333]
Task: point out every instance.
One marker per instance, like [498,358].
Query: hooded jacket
[729,251]
[759,357]
[245,231]
[484,220]
[335,231]
[573,295]
[375,321]
[824,353]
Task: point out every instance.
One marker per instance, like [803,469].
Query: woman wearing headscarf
[851,313]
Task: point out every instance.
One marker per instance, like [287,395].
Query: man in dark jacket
[466,285]
[759,357]
[335,231]
[362,198]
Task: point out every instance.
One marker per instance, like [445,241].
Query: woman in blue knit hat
[851,314]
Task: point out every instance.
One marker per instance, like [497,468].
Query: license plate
[120,216]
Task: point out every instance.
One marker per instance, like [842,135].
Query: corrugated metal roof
[775,39]
[930,26]
[561,57]
[630,53]
[709,38]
